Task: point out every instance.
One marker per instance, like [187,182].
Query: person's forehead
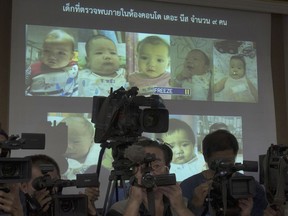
[223,154]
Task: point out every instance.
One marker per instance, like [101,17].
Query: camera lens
[67,205]
[9,170]
[148,181]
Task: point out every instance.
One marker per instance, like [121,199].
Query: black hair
[219,140]
[241,58]
[168,154]
[39,159]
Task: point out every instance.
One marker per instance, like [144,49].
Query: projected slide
[211,67]
[184,137]
[73,62]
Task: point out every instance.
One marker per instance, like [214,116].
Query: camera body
[150,181]
[274,173]
[119,115]
[229,186]
[67,205]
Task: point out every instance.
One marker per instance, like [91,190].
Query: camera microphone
[135,153]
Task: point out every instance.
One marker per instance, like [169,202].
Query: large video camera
[119,120]
[119,116]
[274,174]
[14,170]
[229,186]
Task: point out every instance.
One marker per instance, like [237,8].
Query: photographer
[168,199]
[44,196]
[11,202]
[219,145]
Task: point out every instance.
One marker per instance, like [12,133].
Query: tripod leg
[109,196]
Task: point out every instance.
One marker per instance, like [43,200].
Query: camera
[75,204]
[70,205]
[229,186]
[274,173]
[13,170]
[119,115]
[150,181]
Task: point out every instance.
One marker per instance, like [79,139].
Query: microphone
[135,153]
[249,166]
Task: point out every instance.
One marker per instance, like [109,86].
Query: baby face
[195,63]
[153,60]
[237,69]
[102,57]
[79,141]
[57,55]
[182,147]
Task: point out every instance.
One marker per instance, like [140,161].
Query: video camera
[13,170]
[119,115]
[148,180]
[274,173]
[75,204]
[229,186]
[119,120]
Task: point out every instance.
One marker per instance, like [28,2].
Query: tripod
[117,181]
[118,176]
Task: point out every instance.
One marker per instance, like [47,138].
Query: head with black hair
[162,151]
[38,160]
[220,144]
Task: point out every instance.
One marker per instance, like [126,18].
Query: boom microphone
[135,153]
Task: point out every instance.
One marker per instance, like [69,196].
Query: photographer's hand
[200,193]
[92,195]
[246,206]
[10,202]
[174,194]
[275,211]
[44,199]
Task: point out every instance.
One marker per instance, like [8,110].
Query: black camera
[229,186]
[75,204]
[14,170]
[119,115]
[150,181]
[274,173]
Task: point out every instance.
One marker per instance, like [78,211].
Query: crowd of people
[182,199]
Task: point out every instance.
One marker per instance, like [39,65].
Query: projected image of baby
[187,160]
[237,87]
[103,68]
[218,126]
[81,152]
[56,72]
[153,60]
[195,75]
